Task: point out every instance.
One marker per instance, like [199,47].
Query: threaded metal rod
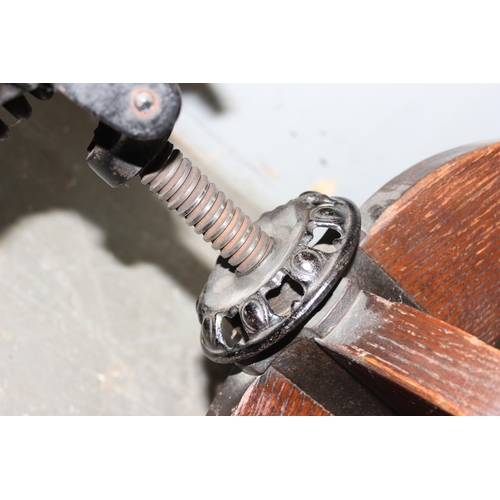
[185,190]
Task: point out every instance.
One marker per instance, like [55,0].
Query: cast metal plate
[115,104]
[241,316]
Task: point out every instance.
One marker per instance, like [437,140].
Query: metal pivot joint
[272,274]
[242,316]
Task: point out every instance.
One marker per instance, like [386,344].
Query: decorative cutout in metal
[242,315]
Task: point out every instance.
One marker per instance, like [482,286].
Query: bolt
[144,101]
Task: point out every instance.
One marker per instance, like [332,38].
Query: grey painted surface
[98,286]
[280,140]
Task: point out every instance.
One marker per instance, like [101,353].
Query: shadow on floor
[207,93]
[43,168]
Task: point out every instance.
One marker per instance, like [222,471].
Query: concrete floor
[97,288]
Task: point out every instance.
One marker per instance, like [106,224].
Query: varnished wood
[440,240]
[307,368]
[407,357]
[395,188]
[430,239]
[274,395]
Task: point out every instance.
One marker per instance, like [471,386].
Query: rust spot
[144,102]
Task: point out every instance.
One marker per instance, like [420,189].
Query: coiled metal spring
[187,191]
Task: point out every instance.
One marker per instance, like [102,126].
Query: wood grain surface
[272,394]
[431,239]
[326,381]
[302,369]
[409,357]
[395,188]
[440,240]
